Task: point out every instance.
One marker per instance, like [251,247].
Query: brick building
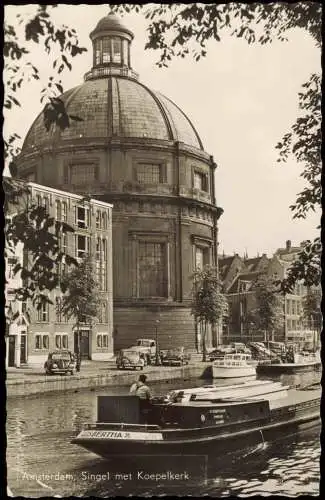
[137,150]
[47,330]
[239,275]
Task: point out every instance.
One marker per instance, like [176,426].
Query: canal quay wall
[23,382]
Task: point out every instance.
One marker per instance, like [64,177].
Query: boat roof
[249,383]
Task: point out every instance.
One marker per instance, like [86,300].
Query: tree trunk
[204,348]
[78,362]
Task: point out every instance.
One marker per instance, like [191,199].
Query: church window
[201,257]
[117,56]
[97,51]
[200,181]
[106,50]
[125,53]
[149,173]
[152,269]
[82,174]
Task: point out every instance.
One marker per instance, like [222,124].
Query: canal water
[41,461]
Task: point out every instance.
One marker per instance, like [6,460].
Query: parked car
[130,359]
[176,356]
[147,347]
[60,361]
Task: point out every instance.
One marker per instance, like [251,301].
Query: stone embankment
[27,381]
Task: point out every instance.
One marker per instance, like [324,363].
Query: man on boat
[143,392]
[140,388]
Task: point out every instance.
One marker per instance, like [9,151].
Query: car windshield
[60,355]
[131,354]
[176,350]
[144,343]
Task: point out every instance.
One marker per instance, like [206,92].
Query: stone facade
[137,150]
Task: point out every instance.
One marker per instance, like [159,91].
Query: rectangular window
[149,173]
[41,341]
[202,255]
[117,57]
[125,53]
[58,210]
[61,341]
[43,313]
[82,217]
[106,50]
[97,52]
[98,220]
[46,204]
[103,313]
[102,340]
[83,174]
[64,211]
[200,181]
[82,246]
[152,269]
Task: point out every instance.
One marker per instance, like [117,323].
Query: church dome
[112,103]
[116,107]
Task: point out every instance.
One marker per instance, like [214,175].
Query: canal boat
[125,428]
[303,362]
[234,366]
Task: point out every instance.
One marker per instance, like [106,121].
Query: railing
[109,71]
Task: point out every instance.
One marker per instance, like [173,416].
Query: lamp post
[157,344]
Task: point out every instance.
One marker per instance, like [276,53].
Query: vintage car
[176,356]
[60,361]
[130,359]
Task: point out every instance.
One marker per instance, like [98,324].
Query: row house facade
[239,289]
[48,329]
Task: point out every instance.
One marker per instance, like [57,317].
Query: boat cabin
[127,410]
[237,359]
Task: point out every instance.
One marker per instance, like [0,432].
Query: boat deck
[295,396]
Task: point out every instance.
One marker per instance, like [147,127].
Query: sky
[241,99]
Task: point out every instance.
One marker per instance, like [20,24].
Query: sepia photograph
[162,208]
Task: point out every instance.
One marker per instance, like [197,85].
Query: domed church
[138,150]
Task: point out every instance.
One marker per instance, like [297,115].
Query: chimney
[288,245]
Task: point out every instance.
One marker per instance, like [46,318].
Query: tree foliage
[80,292]
[311,306]
[208,305]
[177,30]
[40,235]
[20,67]
[268,314]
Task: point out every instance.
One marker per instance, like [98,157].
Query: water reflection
[39,431]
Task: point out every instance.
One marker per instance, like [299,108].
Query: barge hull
[209,445]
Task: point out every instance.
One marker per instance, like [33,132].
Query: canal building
[39,331]
[137,150]
[17,320]
[239,274]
